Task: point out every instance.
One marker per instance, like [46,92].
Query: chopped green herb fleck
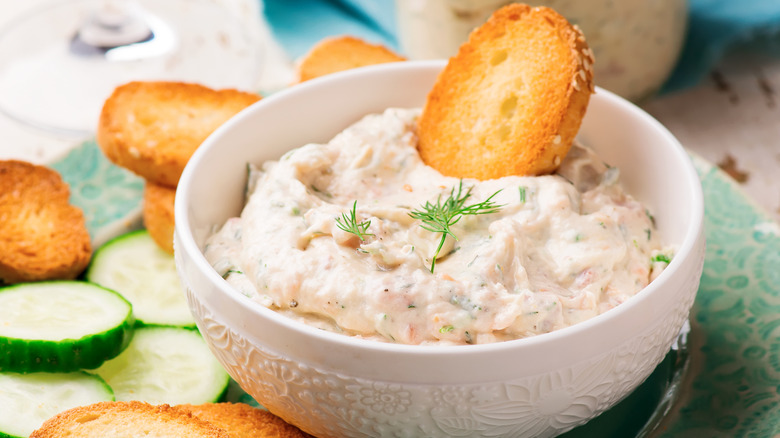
[522,190]
[231,271]
[648,232]
[650,216]
[446,329]
[411,306]
[315,189]
[661,258]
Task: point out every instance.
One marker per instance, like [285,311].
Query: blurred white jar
[636,42]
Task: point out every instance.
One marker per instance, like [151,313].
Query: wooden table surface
[732,119]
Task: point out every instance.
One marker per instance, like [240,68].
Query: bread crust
[127,419]
[153,128]
[339,53]
[157,214]
[42,236]
[241,420]
[511,101]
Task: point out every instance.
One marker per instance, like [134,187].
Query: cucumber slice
[61,326]
[133,265]
[27,400]
[166,365]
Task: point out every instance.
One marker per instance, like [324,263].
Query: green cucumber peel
[61,326]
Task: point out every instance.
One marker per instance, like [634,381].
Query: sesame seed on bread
[42,236]
[129,419]
[158,214]
[341,53]
[153,128]
[511,101]
[241,420]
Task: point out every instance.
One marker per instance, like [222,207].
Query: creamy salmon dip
[555,249]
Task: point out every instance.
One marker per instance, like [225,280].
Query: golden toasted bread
[158,214]
[243,421]
[129,419]
[152,128]
[510,102]
[42,236]
[340,53]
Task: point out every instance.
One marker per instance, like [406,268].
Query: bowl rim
[186,242]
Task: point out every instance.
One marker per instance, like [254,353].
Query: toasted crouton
[158,214]
[342,53]
[153,128]
[243,421]
[512,99]
[129,419]
[42,236]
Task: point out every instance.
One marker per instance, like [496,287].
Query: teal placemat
[734,384]
[110,196]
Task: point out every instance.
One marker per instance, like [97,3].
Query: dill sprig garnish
[351,225]
[439,217]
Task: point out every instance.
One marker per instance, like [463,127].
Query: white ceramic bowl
[332,385]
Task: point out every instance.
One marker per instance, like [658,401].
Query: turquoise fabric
[298,24]
[715,28]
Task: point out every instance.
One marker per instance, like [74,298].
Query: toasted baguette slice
[512,99]
[130,419]
[42,236]
[243,421]
[152,128]
[158,214]
[340,53]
